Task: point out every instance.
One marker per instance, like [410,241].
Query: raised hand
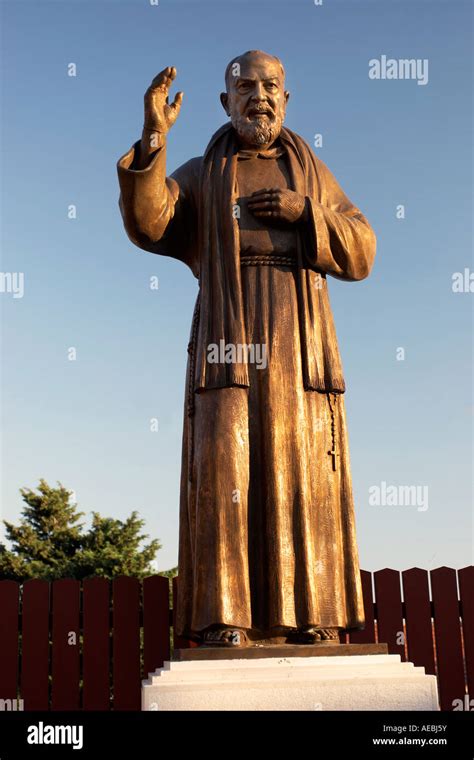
[160,115]
[279,204]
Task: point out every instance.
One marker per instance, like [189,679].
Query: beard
[258,130]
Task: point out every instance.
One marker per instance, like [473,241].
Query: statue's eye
[272,86]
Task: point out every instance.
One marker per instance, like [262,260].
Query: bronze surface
[267,537]
[282,650]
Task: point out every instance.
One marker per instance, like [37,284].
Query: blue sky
[86,423]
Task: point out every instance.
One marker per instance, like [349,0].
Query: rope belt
[267,259]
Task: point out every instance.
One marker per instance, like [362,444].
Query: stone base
[358,682]
[326,649]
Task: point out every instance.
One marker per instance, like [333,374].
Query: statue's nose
[258,92]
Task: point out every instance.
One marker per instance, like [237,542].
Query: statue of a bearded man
[267,544]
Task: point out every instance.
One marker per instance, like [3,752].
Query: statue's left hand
[275,203]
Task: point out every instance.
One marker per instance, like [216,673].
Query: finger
[176,104]
[264,191]
[163,79]
[262,205]
[274,214]
[262,197]
[160,78]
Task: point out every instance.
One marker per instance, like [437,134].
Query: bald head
[233,68]
[256,98]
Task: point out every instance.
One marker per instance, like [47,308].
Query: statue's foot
[225,637]
[312,635]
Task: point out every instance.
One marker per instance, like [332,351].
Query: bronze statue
[267,545]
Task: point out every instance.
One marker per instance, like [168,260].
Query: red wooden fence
[73,646]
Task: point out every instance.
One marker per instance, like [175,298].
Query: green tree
[169,573]
[50,541]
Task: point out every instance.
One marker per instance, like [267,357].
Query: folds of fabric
[267,527]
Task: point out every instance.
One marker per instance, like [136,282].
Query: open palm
[160,115]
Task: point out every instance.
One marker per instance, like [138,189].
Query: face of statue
[256,99]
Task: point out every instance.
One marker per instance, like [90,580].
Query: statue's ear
[287,96]
[225,102]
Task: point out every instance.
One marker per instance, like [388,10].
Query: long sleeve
[344,240]
[160,213]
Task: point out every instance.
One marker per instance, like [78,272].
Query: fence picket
[66,645]
[416,594]
[156,623]
[96,646]
[449,658]
[9,605]
[389,610]
[126,643]
[466,590]
[35,645]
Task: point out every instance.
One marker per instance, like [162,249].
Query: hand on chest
[256,174]
[262,232]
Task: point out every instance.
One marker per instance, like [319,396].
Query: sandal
[312,635]
[225,637]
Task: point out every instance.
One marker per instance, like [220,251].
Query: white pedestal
[365,682]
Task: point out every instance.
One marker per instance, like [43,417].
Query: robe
[267,536]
